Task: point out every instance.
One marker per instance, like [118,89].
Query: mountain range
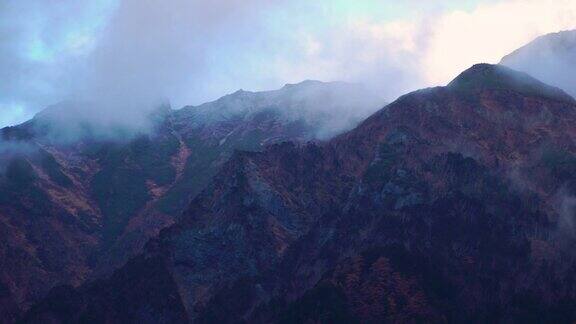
[78,200]
[450,204]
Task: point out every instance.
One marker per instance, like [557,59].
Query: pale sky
[134,51]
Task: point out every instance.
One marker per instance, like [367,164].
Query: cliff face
[453,203]
[77,201]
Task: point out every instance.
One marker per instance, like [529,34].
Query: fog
[550,58]
[565,204]
[328,108]
[114,61]
[134,56]
[11,149]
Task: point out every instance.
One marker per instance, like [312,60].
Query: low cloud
[9,150]
[126,57]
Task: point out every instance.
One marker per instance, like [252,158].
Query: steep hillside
[77,199]
[451,204]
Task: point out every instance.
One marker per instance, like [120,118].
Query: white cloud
[459,39]
[426,50]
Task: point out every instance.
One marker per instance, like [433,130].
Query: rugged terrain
[451,204]
[77,201]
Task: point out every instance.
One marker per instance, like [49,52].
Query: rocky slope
[451,204]
[550,58]
[77,201]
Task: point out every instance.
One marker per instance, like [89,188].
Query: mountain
[78,199]
[451,204]
[550,58]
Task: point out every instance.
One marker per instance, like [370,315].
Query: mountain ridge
[439,206]
[78,201]
[498,77]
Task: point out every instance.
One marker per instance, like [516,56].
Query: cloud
[125,57]
[39,42]
[428,49]
[486,34]
[152,50]
[129,55]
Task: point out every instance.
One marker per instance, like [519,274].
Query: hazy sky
[129,53]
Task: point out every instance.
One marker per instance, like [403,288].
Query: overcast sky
[133,52]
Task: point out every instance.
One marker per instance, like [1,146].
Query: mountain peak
[550,58]
[305,83]
[498,77]
[563,42]
[240,92]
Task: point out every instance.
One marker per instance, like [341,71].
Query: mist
[114,67]
[113,62]
[10,150]
[145,54]
[565,203]
[550,58]
[326,108]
